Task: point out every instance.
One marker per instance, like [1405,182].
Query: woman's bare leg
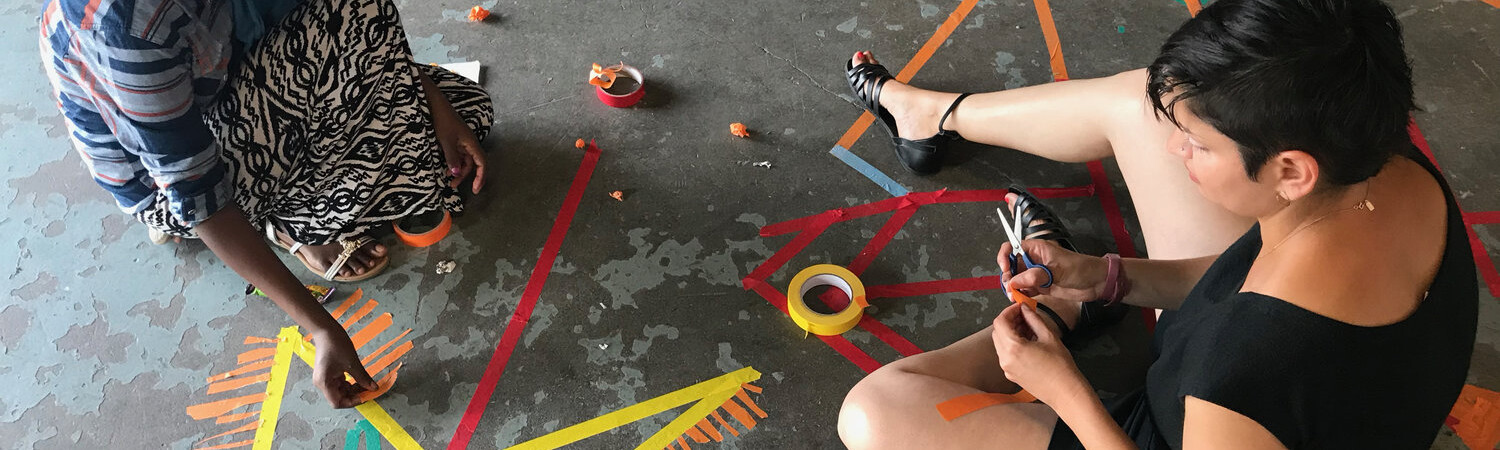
[896,406]
[1086,120]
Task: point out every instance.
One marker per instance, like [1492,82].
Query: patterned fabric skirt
[325,129]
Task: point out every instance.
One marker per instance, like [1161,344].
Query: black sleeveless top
[1312,381]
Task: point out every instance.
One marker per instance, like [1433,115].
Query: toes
[375,250]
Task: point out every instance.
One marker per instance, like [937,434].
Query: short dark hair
[1328,77]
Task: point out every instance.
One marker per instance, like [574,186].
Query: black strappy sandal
[1093,317]
[922,156]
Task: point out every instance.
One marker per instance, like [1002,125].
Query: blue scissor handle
[1017,267]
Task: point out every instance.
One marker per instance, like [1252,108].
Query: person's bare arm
[229,235]
[1207,425]
[1081,278]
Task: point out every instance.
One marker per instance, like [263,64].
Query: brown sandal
[332,274]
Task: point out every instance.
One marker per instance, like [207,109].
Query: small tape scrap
[826,275]
[426,238]
[964,404]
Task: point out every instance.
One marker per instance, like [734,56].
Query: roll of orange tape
[425,238]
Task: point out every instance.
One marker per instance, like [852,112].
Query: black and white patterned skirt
[326,131]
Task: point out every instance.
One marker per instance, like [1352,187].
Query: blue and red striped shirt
[133,77]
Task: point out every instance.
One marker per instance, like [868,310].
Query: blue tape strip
[869,171]
[372,436]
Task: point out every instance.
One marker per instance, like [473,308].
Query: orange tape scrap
[964,404]
[256,354]
[383,386]
[739,413]
[751,387]
[241,370]
[1194,6]
[251,340]
[368,333]
[244,443]
[1478,414]
[719,418]
[236,383]
[220,407]
[246,427]
[235,417]
[912,66]
[683,444]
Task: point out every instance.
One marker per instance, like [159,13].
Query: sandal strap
[1062,327]
[952,107]
[1028,209]
[349,248]
[866,80]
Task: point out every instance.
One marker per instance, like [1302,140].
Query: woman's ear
[1294,173]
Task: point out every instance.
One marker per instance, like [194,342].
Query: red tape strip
[522,315]
[879,241]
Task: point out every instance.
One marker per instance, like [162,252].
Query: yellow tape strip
[724,385]
[688,419]
[275,388]
[389,429]
[825,324]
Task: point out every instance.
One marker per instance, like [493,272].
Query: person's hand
[460,150]
[335,357]
[1076,277]
[1033,356]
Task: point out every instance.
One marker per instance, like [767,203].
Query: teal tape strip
[365,428]
[869,171]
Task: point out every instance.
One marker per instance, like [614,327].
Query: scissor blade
[1009,234]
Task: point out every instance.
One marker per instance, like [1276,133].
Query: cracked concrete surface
[97,325]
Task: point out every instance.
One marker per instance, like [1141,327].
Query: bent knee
[865,408]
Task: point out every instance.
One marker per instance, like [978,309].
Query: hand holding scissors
[1019,260]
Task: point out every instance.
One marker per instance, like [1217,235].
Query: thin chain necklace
[1362,205]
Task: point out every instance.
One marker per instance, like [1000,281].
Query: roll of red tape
[624,100]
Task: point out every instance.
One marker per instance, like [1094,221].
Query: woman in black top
[1344,318]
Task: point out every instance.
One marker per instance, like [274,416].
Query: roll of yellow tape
[826,324]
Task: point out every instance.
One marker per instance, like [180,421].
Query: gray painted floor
[105,339]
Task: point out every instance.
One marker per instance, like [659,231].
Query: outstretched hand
[1075,277]
[462,153]
[335,357]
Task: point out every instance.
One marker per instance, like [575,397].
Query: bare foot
[321,256]
[917,111]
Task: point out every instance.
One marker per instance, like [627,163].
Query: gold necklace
[1363,204]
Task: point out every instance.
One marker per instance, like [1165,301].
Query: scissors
[1019,260]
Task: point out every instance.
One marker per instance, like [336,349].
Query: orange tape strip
[240,370]
[246,427]
[230,445]
[368,333]
[391,358]
[683,444]
[746,399]
[218,408]
[709,428]
[751,387]
[1194,6]
[739,413]
[428,238]
[236,383]
[235,417]
[910,69]
[378,351]
[382,386]
[697,435]
[360,314]
[348,303]
[719,418]
[1494,3]
[964,404]
[251,340]
[256,354]
[1478,414]
[1054,45]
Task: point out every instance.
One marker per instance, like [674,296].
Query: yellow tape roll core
[826,324]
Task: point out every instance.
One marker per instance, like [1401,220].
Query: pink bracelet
[1116,284]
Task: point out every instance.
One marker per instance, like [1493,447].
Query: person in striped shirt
[225,119]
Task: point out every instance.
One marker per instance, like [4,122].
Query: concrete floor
[107,338]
